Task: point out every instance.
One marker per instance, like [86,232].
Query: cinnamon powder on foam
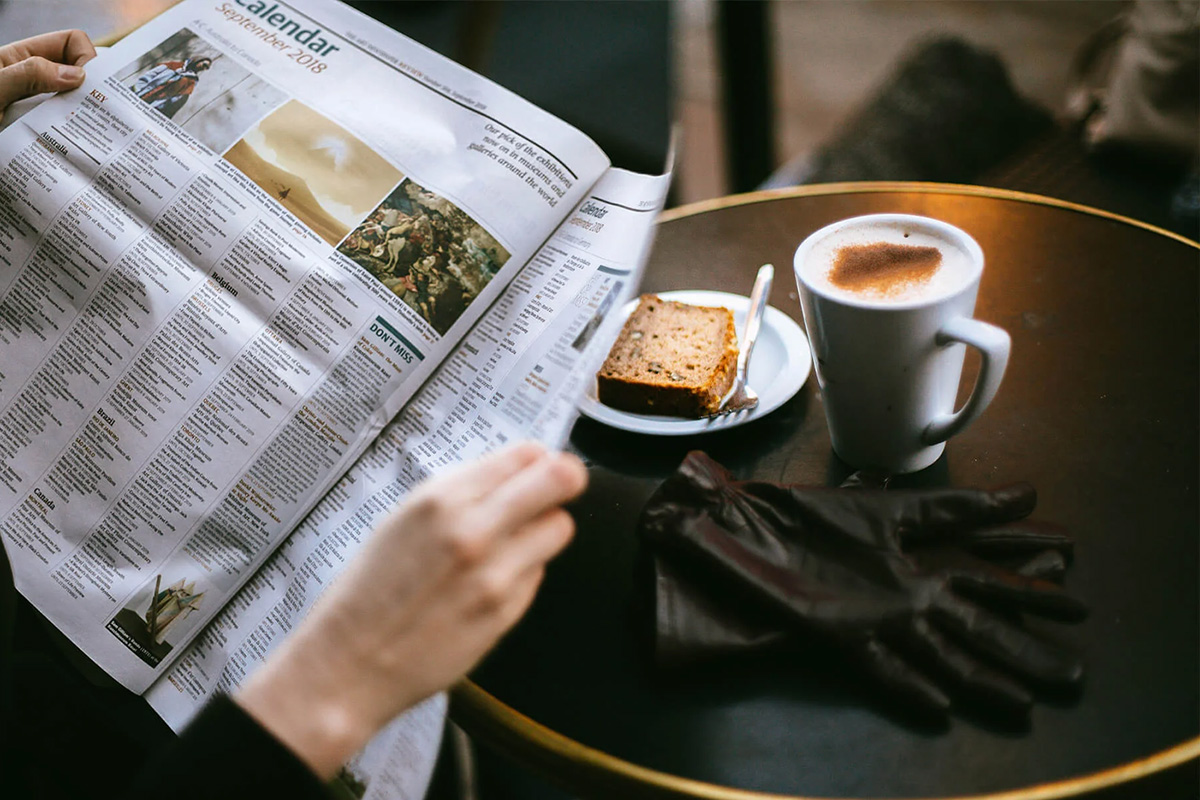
[883,268]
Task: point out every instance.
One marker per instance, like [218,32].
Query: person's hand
[51,62]
[902,580]
[438,582]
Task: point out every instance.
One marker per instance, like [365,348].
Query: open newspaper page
[225,263]
[519,374]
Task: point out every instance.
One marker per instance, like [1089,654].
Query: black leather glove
[921,588]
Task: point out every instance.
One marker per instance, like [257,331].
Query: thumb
[35,75]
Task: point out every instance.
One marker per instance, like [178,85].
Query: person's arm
[51,62]
[437,584]
[225,753]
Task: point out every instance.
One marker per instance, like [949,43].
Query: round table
[1099,410]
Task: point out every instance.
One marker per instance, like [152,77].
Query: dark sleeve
[225,754]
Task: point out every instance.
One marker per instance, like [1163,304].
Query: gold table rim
[908,187]
[480,712]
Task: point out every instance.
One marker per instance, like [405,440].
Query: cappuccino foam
[887,264]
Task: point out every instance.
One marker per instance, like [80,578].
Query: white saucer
[778,368]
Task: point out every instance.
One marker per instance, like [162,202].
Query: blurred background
[1007,93]
[830,57]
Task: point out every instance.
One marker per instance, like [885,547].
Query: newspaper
[272,265]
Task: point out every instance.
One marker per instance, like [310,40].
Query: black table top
[1099,410]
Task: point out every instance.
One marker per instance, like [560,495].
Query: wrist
[308,708]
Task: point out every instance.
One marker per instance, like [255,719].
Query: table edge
[492,721]
[917,187]
[489,720]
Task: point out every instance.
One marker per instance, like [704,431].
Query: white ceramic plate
[778,368]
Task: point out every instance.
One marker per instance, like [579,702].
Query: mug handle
[993,345]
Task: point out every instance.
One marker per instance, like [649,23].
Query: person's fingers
[63,47]
[1003,641]
[930,514]
[520,597]
[544,484]
[79,49]
[928,645]
[502,577]
[496,614]
[36,75]
[444,510]
[480,477]
[530,547]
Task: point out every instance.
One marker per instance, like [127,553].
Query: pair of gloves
[924,590]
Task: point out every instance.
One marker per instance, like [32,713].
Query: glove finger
[902,681]
[1015,538]
[930,646]
[1007,590]
[1003,641]
[926,515]
[1048,565]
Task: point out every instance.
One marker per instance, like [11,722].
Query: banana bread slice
[670,358]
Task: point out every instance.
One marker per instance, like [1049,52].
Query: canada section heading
[271,15]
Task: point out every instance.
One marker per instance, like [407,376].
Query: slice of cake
[670,358]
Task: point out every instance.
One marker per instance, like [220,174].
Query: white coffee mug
[889,367]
